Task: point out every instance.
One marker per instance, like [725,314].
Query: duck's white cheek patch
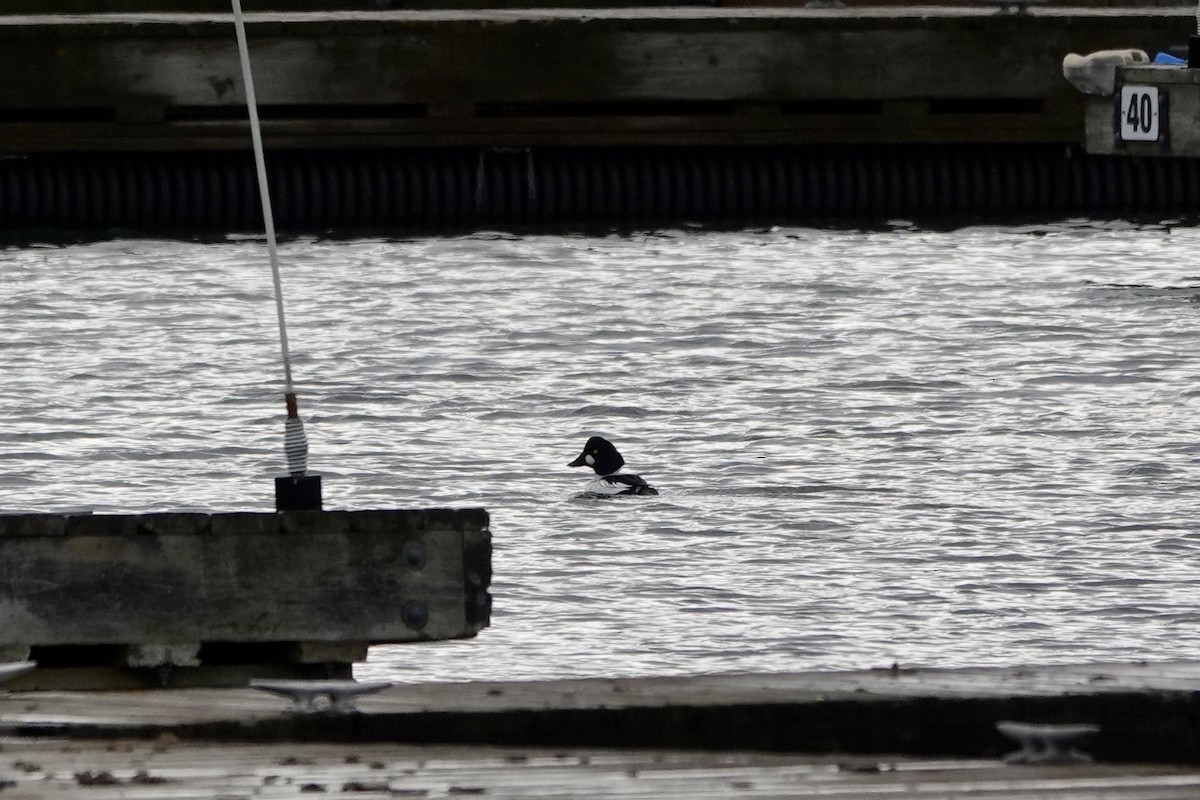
[591,462]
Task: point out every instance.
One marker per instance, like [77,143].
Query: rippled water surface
[937,448]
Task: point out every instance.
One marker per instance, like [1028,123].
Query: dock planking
[168,768]
[1147,712]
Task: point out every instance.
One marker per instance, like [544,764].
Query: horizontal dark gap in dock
[526,110]
[934,106]
[838,106]
[373,111]
[631,108]
[987,105]
[212,654]
[66,114]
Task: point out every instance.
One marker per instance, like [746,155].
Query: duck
[605,460]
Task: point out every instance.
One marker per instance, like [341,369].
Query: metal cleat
[1045,744]
[340,694]
[15,670]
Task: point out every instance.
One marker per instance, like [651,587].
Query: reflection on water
[939,448]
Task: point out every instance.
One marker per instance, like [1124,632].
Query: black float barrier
[319,191]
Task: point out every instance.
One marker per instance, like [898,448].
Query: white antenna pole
[295,443]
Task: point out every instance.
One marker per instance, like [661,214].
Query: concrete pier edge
[106,601]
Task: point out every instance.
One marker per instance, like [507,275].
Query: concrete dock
[440,119]
[594,77]
[193,599]
[906,733]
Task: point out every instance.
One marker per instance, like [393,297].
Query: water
[968,447]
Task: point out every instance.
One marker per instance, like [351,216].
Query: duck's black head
[600,455]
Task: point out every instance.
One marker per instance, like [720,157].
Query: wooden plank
[171,769]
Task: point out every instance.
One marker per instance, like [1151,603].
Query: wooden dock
[1147,712]
[169,769]
[903,733]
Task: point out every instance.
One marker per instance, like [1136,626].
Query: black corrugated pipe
[317,191]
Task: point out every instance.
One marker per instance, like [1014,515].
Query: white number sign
[1139,114]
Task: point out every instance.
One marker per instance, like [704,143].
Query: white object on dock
[1046,744]
[1096,73]
[340,694]
[15,669]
